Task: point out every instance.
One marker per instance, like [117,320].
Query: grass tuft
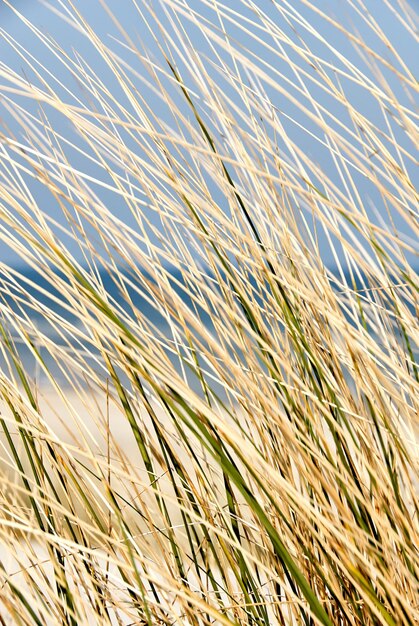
[203,419]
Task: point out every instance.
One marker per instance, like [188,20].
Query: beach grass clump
[209,330]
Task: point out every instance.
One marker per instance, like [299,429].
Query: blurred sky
[12,28]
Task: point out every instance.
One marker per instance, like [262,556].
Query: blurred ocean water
[64,334]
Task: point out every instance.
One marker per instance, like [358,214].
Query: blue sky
[48,22]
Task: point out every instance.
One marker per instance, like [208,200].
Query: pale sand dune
[92,431]
[36,563]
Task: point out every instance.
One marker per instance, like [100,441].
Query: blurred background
[28,50]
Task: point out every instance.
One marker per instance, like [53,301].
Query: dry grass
[247,454]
